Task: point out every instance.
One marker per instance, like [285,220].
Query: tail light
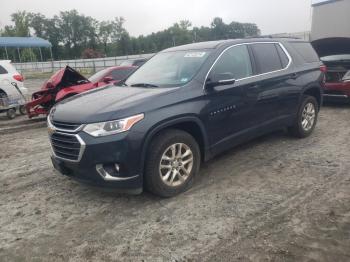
[19,78]
[323,68]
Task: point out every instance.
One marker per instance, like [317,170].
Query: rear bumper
[337,91]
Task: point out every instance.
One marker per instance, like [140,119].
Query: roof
[24,42]
[221,43]
[322,2]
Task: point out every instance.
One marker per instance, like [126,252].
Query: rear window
[3,71]
[267,57]
[306,51]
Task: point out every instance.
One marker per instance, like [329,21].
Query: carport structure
[24,42]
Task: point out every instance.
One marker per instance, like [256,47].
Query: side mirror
[220,80]
[107,79]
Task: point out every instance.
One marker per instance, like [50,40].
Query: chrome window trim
[81,151]
[249,77]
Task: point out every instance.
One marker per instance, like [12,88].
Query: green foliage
[27,55]
[75,35]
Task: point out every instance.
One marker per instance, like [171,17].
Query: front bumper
[121,149]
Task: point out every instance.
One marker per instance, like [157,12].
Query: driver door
[227,111]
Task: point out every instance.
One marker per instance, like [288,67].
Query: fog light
[110,172]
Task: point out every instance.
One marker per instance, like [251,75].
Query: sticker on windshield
[195,55]
[184,80]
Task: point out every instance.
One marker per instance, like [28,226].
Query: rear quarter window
[267,57]
[3,70]
[306,51]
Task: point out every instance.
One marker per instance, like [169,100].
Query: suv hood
[107,103]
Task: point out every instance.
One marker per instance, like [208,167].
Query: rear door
[268,97]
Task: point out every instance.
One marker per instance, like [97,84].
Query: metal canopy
[23,42]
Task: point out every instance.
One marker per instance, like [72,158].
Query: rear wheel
[172,163]
[306,120]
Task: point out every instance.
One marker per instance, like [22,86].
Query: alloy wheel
[176,164]
[308,117]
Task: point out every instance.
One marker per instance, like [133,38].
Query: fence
[91,64]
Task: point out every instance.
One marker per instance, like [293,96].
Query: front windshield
[169,69]
[97,77]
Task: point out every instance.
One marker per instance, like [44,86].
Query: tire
[11,113]
[178,173]
[22,110]
[308,112]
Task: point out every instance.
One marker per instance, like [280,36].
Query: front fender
[169,123]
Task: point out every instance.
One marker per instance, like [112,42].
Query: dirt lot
[273,199]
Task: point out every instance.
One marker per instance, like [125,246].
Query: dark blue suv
[184,106]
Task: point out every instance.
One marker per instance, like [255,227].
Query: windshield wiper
[143,85]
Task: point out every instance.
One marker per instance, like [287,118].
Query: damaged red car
[68,82]
[335,54]
[337,85]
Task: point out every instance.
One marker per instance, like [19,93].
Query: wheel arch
[316,92]
[3,91]
[189,124]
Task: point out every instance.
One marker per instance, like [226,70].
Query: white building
[330,30]
[330,18]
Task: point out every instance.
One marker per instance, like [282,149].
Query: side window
[3,71]
[306,51]
[267,57]
[284,58]
[235,61]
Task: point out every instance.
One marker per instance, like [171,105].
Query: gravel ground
[274,199]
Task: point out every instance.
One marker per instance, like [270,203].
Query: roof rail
[273,36]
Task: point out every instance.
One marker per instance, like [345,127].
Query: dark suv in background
[184,106]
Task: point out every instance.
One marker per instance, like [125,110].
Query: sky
[147,16]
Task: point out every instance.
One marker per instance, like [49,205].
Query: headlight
[112,127]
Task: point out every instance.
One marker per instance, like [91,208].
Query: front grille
[66,126]
[66,146]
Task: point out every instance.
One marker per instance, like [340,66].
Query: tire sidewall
[156,151]
[306,100]
[11,113]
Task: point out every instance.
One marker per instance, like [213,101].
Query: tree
[77,31]
[75,35]
[106,29]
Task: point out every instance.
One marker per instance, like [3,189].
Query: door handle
[253,88]
[294,76]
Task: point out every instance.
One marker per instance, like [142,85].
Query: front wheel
[11,113]
[306,119]
[22,110]
[172,163]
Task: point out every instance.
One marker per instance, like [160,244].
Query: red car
[335,54]
[68,82]
[337,77]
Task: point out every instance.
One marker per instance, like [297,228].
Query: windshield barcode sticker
[195,55]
